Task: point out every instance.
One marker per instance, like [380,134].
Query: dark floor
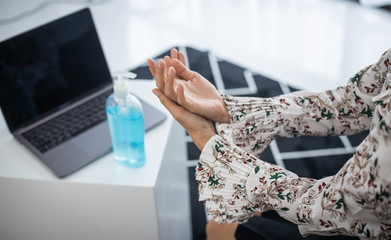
[302,155]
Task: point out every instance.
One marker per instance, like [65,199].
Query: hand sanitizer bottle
[126,124]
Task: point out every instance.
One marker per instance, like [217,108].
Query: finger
[169,84]
[175,110]
[182,58]
[182,70]
[159,77]
[166,60]
[182,100]
[174,53]
[180,94]
[152,67]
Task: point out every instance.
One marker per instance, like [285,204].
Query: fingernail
[156,92]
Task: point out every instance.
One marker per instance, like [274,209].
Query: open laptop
[54,81]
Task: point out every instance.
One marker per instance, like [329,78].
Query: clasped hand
[191,99]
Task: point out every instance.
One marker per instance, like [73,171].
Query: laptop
[54,81]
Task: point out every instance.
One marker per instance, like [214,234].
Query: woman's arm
[356,201]
[255,122]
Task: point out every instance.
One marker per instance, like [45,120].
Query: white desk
[306,43]
[103,200]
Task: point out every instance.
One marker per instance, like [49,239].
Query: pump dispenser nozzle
[120,87]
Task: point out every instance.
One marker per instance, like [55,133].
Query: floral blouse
[356,201]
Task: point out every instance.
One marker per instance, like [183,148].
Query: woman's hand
[199,128]
[160,70]
[188,88]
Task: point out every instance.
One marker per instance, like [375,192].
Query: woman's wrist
[223,112]
[225,117]
[200,138]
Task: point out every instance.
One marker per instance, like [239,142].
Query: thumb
[182,70]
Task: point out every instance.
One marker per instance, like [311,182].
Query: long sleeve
[356,201]
[255,122]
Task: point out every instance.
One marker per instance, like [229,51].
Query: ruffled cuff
[255,122]
[240,108]
[222,173]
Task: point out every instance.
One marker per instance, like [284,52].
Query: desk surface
[308,44]
[17,162]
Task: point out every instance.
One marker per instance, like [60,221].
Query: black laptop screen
[47,67]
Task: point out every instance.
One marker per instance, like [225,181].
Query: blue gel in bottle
[126,124]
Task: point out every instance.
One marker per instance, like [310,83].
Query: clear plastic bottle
[126,124]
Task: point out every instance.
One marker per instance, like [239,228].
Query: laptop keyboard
[60,129]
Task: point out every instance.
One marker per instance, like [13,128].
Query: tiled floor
[314,157]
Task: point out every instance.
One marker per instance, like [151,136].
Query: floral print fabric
[356,201]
